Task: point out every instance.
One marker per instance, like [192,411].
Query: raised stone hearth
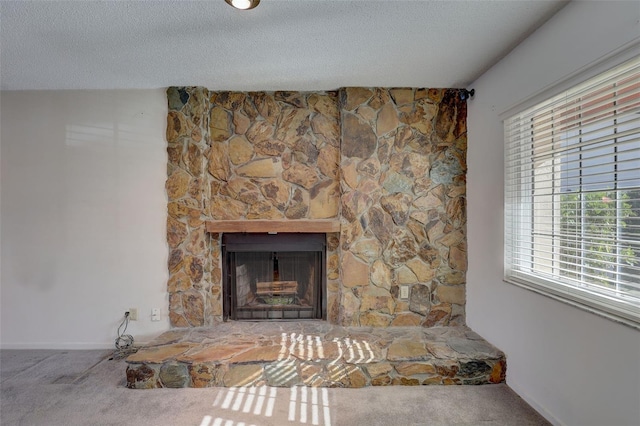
[314,353]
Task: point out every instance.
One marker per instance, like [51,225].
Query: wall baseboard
[72,346]
[533,403]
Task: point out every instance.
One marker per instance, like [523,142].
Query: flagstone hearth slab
[314,353]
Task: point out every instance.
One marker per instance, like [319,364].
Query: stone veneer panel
[403,185]
[191,271]
[244,156]
[389,162]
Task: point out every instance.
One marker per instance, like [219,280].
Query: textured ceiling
[280,45]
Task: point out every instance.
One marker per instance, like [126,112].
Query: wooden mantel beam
[295,226]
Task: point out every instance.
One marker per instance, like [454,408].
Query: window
[572,195]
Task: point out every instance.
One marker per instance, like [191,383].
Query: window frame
[598,302]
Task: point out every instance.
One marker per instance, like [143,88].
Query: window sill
[577,300]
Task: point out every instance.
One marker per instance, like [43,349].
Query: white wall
[575,367]
[83,216]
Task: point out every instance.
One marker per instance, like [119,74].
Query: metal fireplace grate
[274,276]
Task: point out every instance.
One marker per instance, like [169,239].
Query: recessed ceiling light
[243,4]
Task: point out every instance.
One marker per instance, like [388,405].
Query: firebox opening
[274,276]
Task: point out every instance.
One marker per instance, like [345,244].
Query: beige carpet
[85,388]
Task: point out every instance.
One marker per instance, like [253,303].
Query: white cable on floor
[124,342]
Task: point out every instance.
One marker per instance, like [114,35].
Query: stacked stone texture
[191,270]
[390,163]
[276,156]
[403,216]
[243,156]
[314,353]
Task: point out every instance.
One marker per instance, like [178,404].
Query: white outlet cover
[404,292]
[155,314]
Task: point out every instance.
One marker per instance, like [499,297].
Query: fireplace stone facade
[388,164]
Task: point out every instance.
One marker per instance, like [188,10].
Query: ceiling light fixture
[243,4]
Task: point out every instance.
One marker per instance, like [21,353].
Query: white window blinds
[572,195]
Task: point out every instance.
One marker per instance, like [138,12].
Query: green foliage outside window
[589,245]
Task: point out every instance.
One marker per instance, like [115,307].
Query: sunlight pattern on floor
[235,396]
[305,405]
[206,421]
[257,401]
[317,407]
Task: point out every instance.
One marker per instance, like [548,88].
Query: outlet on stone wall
[404,292]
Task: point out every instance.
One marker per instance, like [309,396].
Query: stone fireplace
[379,172]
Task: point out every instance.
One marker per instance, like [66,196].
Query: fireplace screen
[273,276]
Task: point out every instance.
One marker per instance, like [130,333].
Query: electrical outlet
[404,292]
[155,314]
[133,314]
